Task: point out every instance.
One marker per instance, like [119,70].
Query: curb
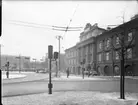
[14,78]
[23,81]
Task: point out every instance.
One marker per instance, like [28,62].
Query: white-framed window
[130,35]
[117,40]
[100,45]
[107,43]
[99,57]
[129,53]
[116,55]
[107,56]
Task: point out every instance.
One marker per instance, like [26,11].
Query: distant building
[71,60]
[15,61]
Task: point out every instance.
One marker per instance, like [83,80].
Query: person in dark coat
[7,74]
[67,72]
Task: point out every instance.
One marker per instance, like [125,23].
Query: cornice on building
[70,48]
[130,24]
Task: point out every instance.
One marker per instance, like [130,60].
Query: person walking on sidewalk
[67,71]
[7,71]
[83,69]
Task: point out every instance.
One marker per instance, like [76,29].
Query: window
[99,57]
[130,35]
[107,43]
[107,56]
[129,53]
[117,40]
[116,55]
[100,45]
[72,54]
[69,62]
[74,61]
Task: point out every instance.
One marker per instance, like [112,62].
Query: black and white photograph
[65,52]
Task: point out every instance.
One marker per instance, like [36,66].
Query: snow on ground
[17,72]
[13,76]
[77,78]
[72,98]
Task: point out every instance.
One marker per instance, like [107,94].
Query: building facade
[84,50]
[109,45]
[100,49]
[71,56]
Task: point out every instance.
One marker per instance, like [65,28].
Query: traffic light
[55,55]
[7,64]
[50,52]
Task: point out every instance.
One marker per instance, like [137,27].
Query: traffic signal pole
[56,57]
[50,56]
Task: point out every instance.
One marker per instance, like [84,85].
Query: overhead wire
[69,24]
[25,25]
[70,20]
[44,25]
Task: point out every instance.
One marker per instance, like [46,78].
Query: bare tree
[123,45]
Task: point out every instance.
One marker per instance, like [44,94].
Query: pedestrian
[67,72]
[7,74]
[83,73]
[7,71]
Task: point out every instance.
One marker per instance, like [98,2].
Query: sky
[34,41]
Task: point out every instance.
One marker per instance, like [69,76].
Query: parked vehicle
[93,73]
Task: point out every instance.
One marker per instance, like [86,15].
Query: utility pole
[58,37]
[19,62]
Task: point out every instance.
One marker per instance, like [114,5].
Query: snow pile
[72,98]
[77,78]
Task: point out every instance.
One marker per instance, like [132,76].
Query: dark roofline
[127,24]
[97,27]
[70,48]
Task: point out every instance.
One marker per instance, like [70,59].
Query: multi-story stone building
[71,59]
[100,48]
[108,49]
[84,50]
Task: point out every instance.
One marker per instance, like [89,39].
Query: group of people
[82,69]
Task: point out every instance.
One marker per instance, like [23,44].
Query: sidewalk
[79,77]
[72,98]
[76,78]
[118,77]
